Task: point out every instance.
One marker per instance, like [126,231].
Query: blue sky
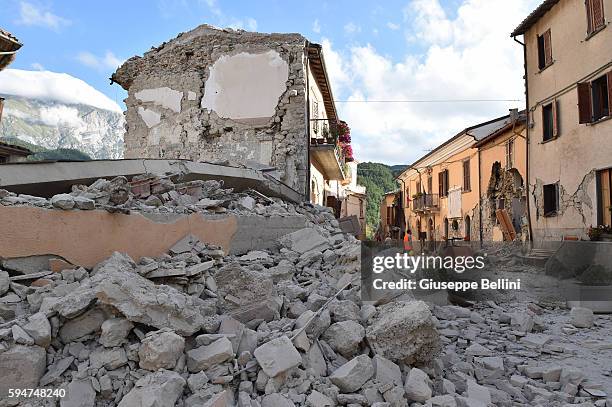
[397,49]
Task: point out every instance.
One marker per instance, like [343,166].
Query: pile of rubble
[154,194]
[271,328]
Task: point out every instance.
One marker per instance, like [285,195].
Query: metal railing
[426,202]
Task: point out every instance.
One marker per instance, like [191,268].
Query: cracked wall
[220,96]
[576,209]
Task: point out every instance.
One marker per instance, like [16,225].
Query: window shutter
[584,103]
[555,113]
[441,184]
[589,13]
[547,47]
[598,14]
[609,77]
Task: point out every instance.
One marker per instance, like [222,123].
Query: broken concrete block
[277,356]
[63,201]
[386,373]
[110,359]
[353,374]
[83,325]
[442,401]
[477,349]
[115,332]
[418,386]
[158,389]
[84,203]
[4,282]
[197,381]
[55,370]
[581,317]
[478,392]
[317,399]
[304,240]
[80,393]
[246,294]
[204,357]
[404,331]
[276,400]
[39,328]
[571,375]
[20,336]
[160,350]
[21,367]
[345,337]
[140,300]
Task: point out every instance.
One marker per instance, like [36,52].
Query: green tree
[378,179]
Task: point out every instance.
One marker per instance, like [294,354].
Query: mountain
[378,179]
[59,111]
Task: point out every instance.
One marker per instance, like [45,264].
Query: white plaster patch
[150,117]
[246,85]
[191,95]
[165,97]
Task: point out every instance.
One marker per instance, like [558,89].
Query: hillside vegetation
[378,179]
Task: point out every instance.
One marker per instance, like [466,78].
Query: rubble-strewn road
[275,328]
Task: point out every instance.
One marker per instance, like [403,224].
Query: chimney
[513,115]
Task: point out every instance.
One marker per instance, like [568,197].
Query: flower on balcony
[347,151]
[344,132]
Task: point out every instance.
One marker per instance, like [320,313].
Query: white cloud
[393,26]
[249,24]
[37,66]
[351,28]
[31,15]
[470,56]
[61,116]
[48,85]
[102,63]
[316,26]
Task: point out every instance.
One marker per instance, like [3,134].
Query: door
[604,197]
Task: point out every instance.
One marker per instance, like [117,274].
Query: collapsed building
[234,96]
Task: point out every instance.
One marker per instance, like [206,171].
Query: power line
[429,101]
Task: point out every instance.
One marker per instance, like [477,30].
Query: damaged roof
[9,45]
[534,17]
[502,127]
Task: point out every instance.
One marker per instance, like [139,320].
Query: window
[601,104]
[551,199]
[430,184]
[604,197]
[510,154]
[315,116]
[361,208]
[549,121]
[443,183]
[595,15]
[418,187]
[544,50]
[595,99]
[467,186]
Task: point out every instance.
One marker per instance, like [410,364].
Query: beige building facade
[568,50]
[457,190]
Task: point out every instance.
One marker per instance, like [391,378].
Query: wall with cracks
[576,212]
[220,96]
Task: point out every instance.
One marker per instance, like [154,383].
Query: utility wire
[429,101]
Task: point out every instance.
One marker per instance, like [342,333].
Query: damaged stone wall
[220,95]
[506,190]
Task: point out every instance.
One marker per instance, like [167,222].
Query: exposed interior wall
[504,184]
[220,95]
[580,150]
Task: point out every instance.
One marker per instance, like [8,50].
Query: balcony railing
[426,202]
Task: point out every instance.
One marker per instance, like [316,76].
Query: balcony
[325,150]
[426,203]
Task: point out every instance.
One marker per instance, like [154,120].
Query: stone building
[220,95]
[568,74]
[477,174]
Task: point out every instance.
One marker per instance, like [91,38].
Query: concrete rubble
[284,326]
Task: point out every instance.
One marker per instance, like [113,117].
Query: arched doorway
[468,228]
